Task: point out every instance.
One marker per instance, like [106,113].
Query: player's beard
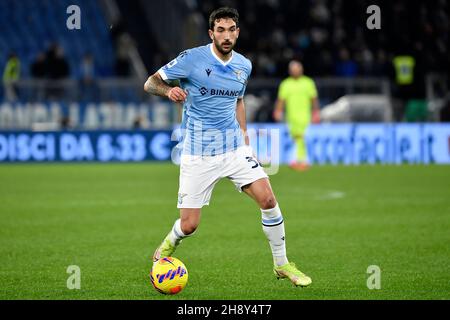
[222,50]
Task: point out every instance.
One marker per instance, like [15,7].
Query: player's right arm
[177,69]
[157,86]
[279,110]
[281,101]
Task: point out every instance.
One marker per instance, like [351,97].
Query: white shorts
[199,175]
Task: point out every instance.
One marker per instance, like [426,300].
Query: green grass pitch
[108,219]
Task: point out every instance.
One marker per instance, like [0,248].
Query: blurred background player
[298,95]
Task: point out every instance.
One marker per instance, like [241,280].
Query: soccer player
[298,92]
[215,144]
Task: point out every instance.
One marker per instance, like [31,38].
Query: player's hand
[176,94]
[278,115]
[315,116]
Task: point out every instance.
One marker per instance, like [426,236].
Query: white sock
[273,227]
[176,234]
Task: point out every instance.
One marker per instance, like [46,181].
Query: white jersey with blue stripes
[213,87]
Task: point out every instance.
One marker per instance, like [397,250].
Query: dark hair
[224,12]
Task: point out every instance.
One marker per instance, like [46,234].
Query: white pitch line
[331,195]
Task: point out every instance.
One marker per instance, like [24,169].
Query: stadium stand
[31,27]
[330,37]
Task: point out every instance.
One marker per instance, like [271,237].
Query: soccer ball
[169,275]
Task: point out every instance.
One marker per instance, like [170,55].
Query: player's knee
[188,227]
[268,202]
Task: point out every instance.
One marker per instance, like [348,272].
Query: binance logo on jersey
[203,91]
[219,92]
[223,92]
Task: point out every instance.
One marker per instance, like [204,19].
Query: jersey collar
[224,63]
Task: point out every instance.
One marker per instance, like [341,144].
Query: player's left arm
[241,118]
[315,104]
[240,106]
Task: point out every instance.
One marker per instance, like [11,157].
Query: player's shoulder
[192,52]
[287,81]
[308,80]
[243,61]
[200,50]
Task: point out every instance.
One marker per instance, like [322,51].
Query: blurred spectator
[11,75]
[56,63]
[382,67]
[346,67]
[365,59]
[38,68]
[51,64]
[123,45]
[57,69]
[87,75]
[403,86]
[404,69]
[87,68]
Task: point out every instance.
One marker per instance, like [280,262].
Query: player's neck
[224,57]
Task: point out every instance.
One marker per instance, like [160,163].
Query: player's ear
[237,32]
[211,33]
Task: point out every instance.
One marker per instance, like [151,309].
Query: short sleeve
[178,68]
[282,91]
[242,92]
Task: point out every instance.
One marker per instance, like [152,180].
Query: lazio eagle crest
[240,75]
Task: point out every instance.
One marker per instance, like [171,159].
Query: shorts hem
[239,188]
[187,206]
